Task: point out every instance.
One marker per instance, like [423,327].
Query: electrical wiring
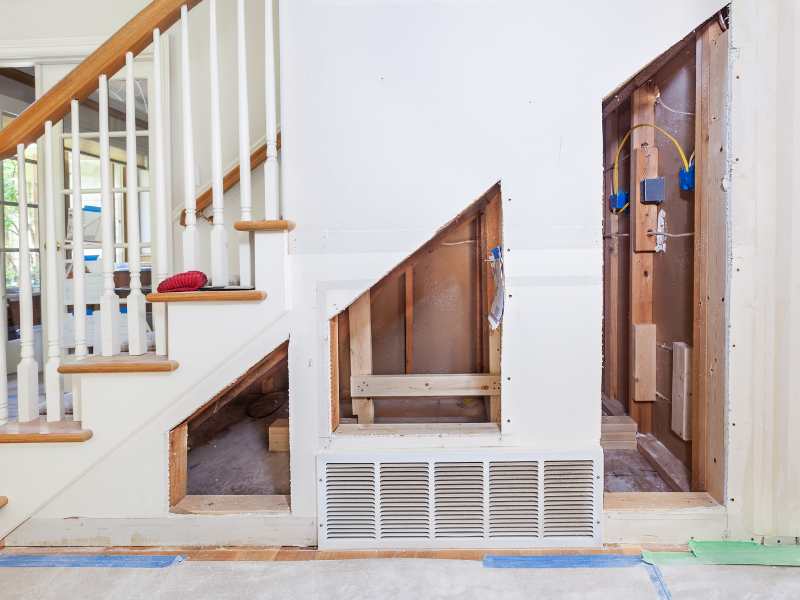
[615,174]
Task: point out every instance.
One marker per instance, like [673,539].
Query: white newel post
[219,237]
[54,393]
[28,368]
[3,360]
[272,208]
[137,338]
[190,231]
[161,216]
[78,266]
[109,302]
[245,191]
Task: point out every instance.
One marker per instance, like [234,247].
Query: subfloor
[237,461]
[414,579]
[629,471]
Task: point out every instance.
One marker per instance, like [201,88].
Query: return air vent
[568,498]
[459,499]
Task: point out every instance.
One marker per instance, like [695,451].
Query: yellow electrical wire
[669,136]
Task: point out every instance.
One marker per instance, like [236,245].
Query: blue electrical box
[653,190]
[686,178]
[617,201]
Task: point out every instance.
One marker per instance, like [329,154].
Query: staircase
[181,347]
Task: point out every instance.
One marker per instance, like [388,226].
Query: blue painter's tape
[584,561]
[658,582]
[107,561]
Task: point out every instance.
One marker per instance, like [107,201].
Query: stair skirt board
[459,499]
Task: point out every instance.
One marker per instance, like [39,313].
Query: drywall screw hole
[733,499]
[511,295]
[647,274]
[508,420]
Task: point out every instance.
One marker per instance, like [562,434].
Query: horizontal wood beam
[414,386]
[78,84]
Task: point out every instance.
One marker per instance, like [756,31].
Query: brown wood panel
[178,463]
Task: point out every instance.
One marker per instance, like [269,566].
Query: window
[9,206]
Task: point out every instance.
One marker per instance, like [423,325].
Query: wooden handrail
[230,179]
[134,36]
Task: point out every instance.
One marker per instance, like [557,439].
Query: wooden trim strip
[134,36]
[420,386]
[231,179]
[43,431]
[209,296]
[231,505]
[657,500]
[147,363]
[273,225]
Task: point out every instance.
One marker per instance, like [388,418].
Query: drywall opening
[664,276]
[232,455]
[418,347]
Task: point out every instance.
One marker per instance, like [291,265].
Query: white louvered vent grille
[568,498]
[513,499]
[467,499]
[404,500]
[350,493]
[458,510]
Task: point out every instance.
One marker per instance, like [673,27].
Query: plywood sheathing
[710,250]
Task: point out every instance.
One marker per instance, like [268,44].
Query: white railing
[102,334]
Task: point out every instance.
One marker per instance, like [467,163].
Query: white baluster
[28,368]
[245,191]
[78,266]
[137,338]
[54,392]
[219,237]
[190,231]
[3,342]
[271,171]
[161,215]
[109,302]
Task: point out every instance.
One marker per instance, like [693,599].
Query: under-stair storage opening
[459,499]
[420,349]
[232,454]
[665,154]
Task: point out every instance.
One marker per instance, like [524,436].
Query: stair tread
[268,225]
[41,430]
[209,296]
[122,363]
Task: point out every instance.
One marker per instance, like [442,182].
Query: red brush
[188,281]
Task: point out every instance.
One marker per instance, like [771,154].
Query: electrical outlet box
[617,201]
[653,190]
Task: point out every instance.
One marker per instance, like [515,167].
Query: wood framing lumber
[408,282]
[644,362]
[361,352]
[178,463]
[671,470]
[334,349]
[681,421]
[418,386]
[493,235]
[278,432]
[618,433]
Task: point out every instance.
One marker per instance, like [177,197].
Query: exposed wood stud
[334,348]
[644,362]
[361,352]
[178,463]
[408,279]
[671,470]
[681,390]
[412,386]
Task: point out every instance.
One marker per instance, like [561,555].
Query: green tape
[670,558]
[746,553]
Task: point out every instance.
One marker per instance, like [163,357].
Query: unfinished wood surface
[209,296]
[418,429]
[613,407]
[361,352]
[279,435]
[178,463]
[681,390]
[231,178]
[408,305]
[644,163]
[409,386]
[334,352]
[618,433]
[644,362]
[270,225]
[79,83]
[710,256]
[657,500]
[43,431]
[493,234]
[231,505]
[673,471]
[122,363]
